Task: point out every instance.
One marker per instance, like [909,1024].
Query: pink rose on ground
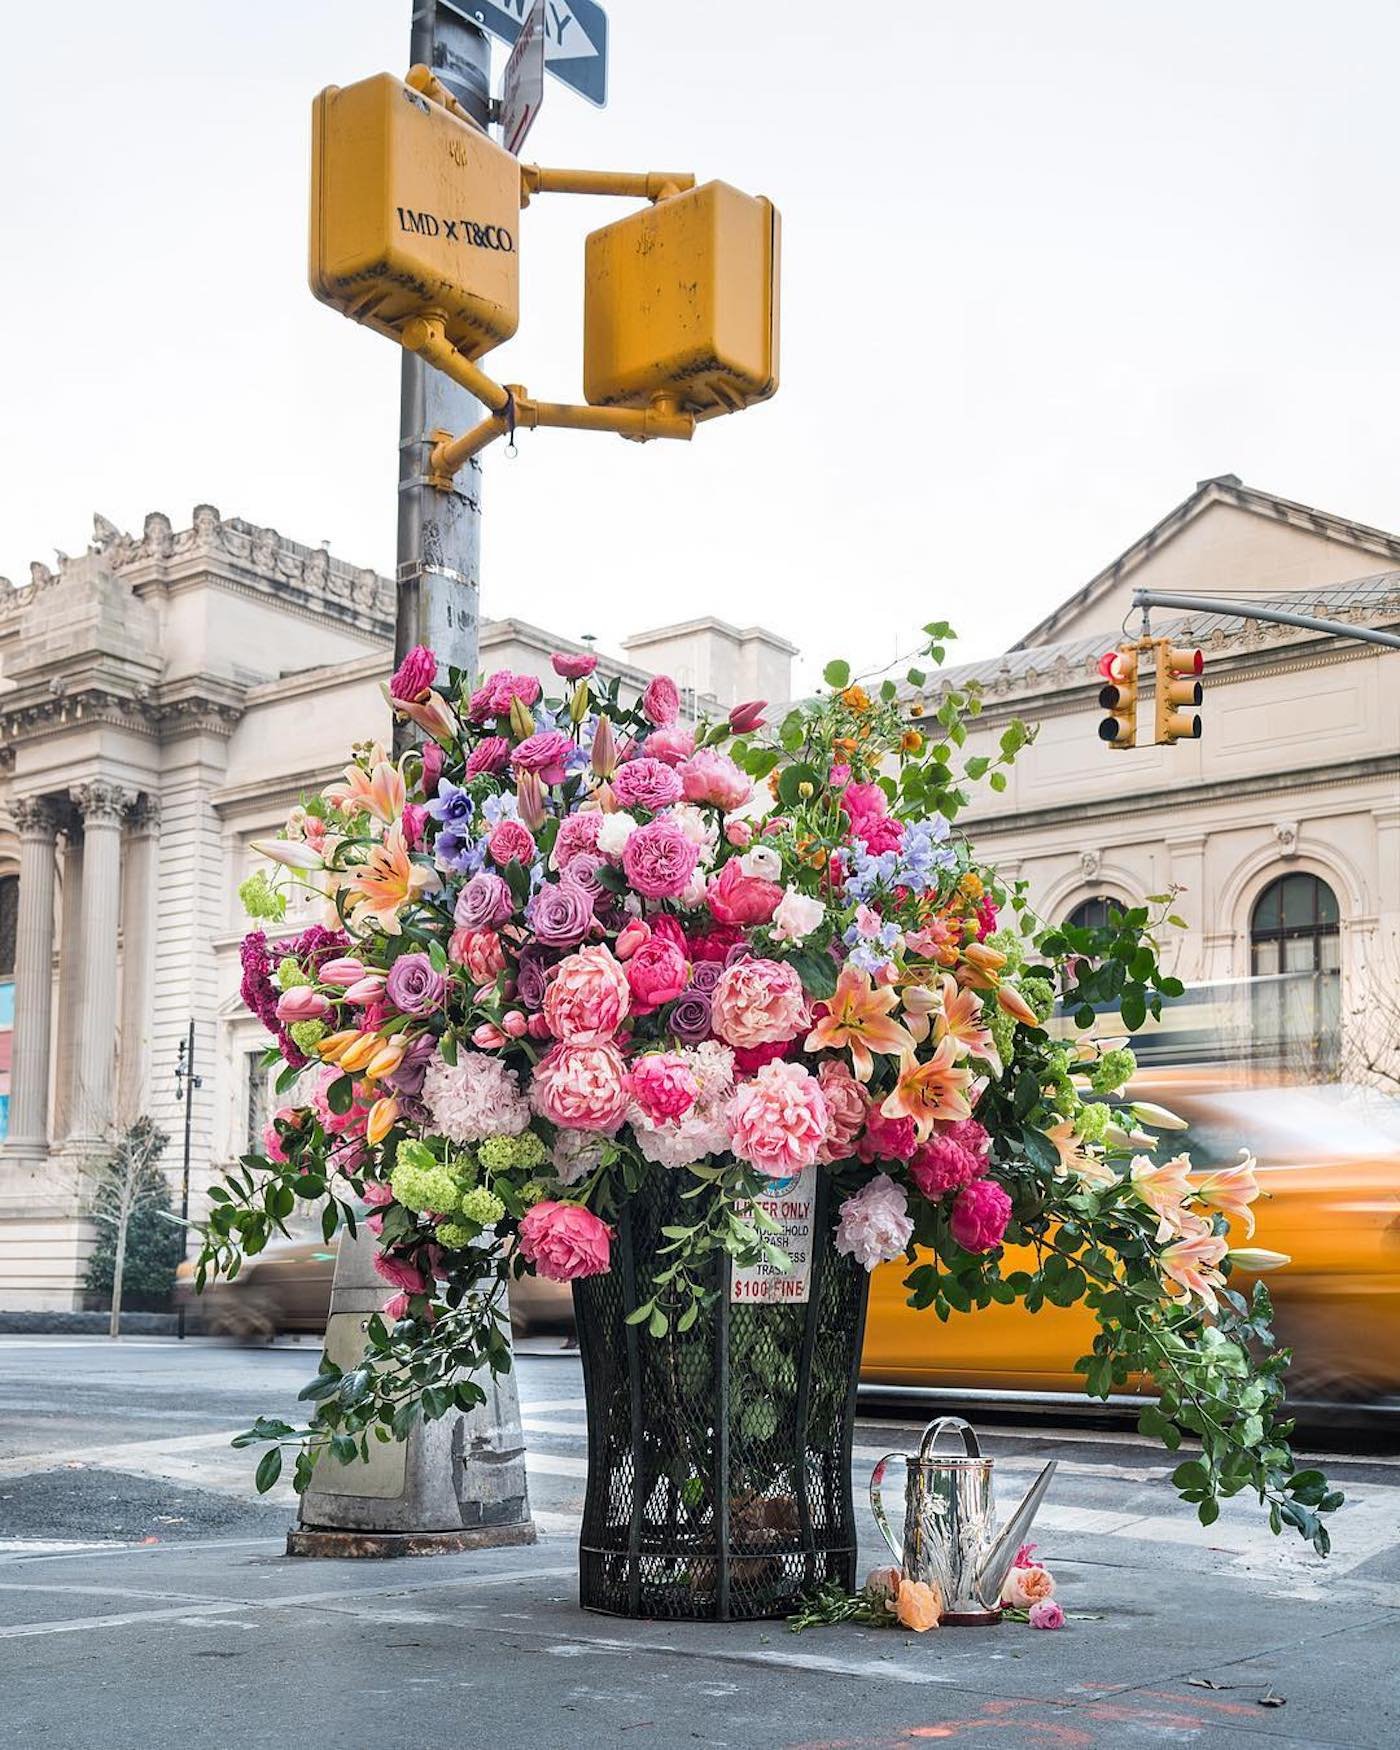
[671,745]
[573,665]
[646,783]
[711,776]
[886,1139]
[736,898]
[1025,1587]
[581,1087]
[565,1241]
[510,842]
[661,702]
[664,1086]
[943,1164]
[546,754]
[798,914]
[490,755]
[658,859]
[777,1121]
[846,1106]
[875,1225]
[400,1273]
[881,1584]
[589,998]
[755,1002]
[656,972]
[981,1211]
[414,676]
[1047,1614]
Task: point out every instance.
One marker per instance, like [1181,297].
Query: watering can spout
[996,1564]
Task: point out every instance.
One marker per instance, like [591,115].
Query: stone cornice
[199,702]
[273,794]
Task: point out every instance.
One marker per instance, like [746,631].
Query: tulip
[356,1056]
[539,1028]
[289,852]
[514,1023]
[744,719]
[381,1120]
[302,1003]
[330,1048]
[366,990]
[387,1058]
[342,973]
[604,754]
[488,1037]
[1256,1258]
[1144,1112]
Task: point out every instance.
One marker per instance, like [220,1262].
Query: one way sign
[575,38]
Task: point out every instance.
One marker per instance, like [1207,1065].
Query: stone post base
[352,1545]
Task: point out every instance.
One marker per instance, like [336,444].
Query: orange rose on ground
[1027,1586]
[917,1605]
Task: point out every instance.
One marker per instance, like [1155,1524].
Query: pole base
[969,1619]
[305,1540]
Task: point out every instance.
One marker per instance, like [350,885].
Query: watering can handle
[877,1477]
[935,1429]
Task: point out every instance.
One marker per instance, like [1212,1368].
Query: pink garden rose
[646,783]
[846,1106]
[777,1121]
[565,1241]
[510,842]
[886,1139]
[981,1211]
[756,1002]
[490,755]
[589,998]
[658,859]
[711,776]
[736,898]
[671,746]
[400,1273]
[1023,1588]
[943,1164]
[546,754]
[573,665]
[875,1226]
[493,698]
[577,833]
[414,675]
[480,951]
[274,1146]
[664,1086]
[661,702]
[657,971]
[1046,1614]
[581,1087]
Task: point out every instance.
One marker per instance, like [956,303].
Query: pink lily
[1193,1264]
[1164,1188]
[1232,1190]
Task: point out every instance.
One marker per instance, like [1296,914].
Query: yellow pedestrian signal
[680,304]
[413,211]
[1176,685]
[1118,696]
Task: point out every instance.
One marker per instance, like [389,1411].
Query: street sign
[522,89]
[575,37]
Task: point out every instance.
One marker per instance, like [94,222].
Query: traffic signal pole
[457,1482]
[1210,604]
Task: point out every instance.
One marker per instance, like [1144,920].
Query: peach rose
[918,1606]
[589,998]
[1027,1586]
[881,1585]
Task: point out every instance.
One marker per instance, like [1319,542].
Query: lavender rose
[690,1016]
[413,987]
[406,1079]
[484,901]
[531,977]
[561,914]
[704,974]
[582,871]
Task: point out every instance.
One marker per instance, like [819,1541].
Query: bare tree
[1371,1033]
[127,1181]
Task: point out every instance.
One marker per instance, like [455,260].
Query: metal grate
[719,1459]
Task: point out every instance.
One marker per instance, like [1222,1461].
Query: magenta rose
[573,665]
[565,1241]
[581,1087]
[659,859]
[413,987]
[546,754]
[758,1002]
[588,999]
[491,755]
[414,675]
[646,783]
[661,702]
[981,1211]
[664,1086]
[711,776]
[656,972]
[511,842]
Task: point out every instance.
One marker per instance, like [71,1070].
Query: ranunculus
[413,987]
[661,702]
[545,753]
[565,1241]
[875,1225]
[511,842]
[657,972]
[581,1087]
[483,901]
[918,1605]
[981,1211]
[778,1120]
[1046,1614]
[561,913]
[671,745]
[646,783]
[658,859]
[846,1106]
[736,898]
[588,999]
[757,1001]
[573,665]
[497,693]
[690,1016]
[414,675]
[798,914]
[489,755]
[480,951]
[1024,1587]
[711,776]
[663,1085]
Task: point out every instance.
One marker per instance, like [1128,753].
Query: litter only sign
[575,38]
[791,1203]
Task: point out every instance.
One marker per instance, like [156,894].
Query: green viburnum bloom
[1013,946]
[290,975]
[1002,1029]
[306,1033]
[1092,1120]
[482,1206]
[1112,1070]
[260,899]
[454,1236]
[420,1180]
[504,1154]
[1040,994]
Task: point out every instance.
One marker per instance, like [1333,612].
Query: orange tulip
[859,1020]
[381,1120]
[356,1056]
[330,1048]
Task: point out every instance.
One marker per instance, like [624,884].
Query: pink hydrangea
[565,1241]
[875,1225]
[646,783]
[545,753]
[577,833]
[777,1121]
[664,1086]
[589,998]
[981,1211]
[494,696]
[659,859]
[846,1106]
[581,1087]
[657,971]
[736,898]
[476,1097]
[671,746]
[755,1002]
[711,776]
[943,1164]
[661,702]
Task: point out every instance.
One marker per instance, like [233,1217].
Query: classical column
[138,956]
[70,975]
[102,806]
[28,1141]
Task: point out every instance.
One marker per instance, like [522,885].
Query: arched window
[1295,949]
[1092,914]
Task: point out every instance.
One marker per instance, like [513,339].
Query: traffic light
[1118,697]
[1177,685]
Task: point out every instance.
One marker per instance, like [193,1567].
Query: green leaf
[837,674]
[817,971]
[1133,1008]
[1208,1511]
[269,1469]
[793,780]
[997,780]
[640,1314]
[1191,1475]
[658,1324]
[437,956]
[340,1094]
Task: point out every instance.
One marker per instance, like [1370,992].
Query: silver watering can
[950,1535]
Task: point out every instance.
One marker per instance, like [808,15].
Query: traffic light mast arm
[647,185]
[1208,604]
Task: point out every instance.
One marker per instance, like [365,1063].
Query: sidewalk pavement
[230,1642]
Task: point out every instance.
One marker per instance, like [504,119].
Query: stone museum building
[165,699]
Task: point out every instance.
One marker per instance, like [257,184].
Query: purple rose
[582,871]
[690,1016]
[531,977]
[560,914]
[484,901]
[407,1078]
[704,974]
[646,783]
[413,987]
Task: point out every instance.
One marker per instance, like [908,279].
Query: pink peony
[864,801]
[875,1225]
[661,702]
[777,1121]
[664,1086]
[589,998]
[758,1001]
[878,833]
[711,776]
[736,898]
[573,665]
[657,971]
[545,754]
[581,1087]
[510,842]
[846,1106]
[494,696]
[400,1273]
[646,783]
[981,1211]
[886,1139]
[414,676]
[490,755]
[480,951]
[658,859]
[970,1135]
[671,746]
[565,1241]
[943,1164]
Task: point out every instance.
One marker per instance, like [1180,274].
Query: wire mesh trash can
[719,1458]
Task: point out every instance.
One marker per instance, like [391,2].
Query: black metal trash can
[719,1459]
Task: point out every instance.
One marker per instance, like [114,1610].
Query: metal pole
[186,1081]
[458,1482]
[1209,604]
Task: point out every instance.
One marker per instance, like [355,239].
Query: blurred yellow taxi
[1329,1164]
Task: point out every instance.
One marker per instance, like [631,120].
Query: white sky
[1044,266]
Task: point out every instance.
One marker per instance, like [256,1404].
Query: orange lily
[858,1019]
[981,967]
[1011,1002]
[1232,1190]
[1164,1188]
[386,882]
[292,853]
[431,713]
[377,789]
[954,1014]
[930,1091]
[1193,1264]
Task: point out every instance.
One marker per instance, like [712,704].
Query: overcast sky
[1044,266]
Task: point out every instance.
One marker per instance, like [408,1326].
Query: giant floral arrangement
[572,941]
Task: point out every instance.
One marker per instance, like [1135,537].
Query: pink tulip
[514,1024]
[302,1004]
[743,719]
[488,1037]
[539,1028]
[366,990]
[343,973]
